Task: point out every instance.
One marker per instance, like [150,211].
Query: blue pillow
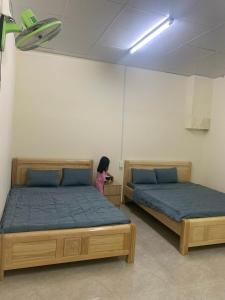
[143,176]
[166,175]
[73,177]
[43,178]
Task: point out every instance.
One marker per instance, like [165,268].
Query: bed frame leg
[1,258]
[130,257]
[184,237]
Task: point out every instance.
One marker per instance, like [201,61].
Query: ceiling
[105,29]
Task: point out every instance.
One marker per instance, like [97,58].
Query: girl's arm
[109,176]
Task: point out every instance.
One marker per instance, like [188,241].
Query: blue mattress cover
[181,201]
[160,185]
[33,209]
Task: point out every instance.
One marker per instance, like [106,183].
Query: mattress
[181,201]
[160,186]
[33,209]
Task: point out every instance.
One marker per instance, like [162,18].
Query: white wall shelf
[198,103]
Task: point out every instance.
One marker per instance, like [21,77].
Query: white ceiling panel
[181,61]
[214,40]
[128,27]
[184,59]
[107,54]
[105,30]
[208,12]
[161,6]
[181,8]
[42,8]
[100,11]
[82,31]
[72,39]
[211,66]
[175,8]
[119,1]
[61,52]
[139,60]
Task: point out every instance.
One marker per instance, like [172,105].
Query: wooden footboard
[30,249]
[202,231]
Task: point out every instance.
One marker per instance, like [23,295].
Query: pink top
[100,180]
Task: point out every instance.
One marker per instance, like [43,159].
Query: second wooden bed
[38,248]
[192,232]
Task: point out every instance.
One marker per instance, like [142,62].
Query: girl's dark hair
[103,164]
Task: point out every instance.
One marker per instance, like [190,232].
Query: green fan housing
[32,33]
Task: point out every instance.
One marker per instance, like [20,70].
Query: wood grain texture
[112,192]
[20,167]
[207,231]
[112,189]
[184,237]
[173,225]
[131,244]
[30,249]
[127,194]
[72,247]
[40,248]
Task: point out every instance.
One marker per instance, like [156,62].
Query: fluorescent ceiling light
[151,34]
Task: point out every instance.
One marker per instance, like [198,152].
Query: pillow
[143,176]
[166,175]
[73,177]
[43,177]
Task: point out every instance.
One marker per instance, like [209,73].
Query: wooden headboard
[20,167]
[183,168]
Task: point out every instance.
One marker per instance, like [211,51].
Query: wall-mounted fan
[32,33]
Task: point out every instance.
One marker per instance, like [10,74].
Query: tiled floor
[159,272]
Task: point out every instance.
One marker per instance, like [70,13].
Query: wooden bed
[192,232]
[38,248]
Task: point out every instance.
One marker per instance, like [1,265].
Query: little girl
[102,173]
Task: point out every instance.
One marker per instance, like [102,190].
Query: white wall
[73,108]
[67,108]
[6,108]
[213,154]
[155,117]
